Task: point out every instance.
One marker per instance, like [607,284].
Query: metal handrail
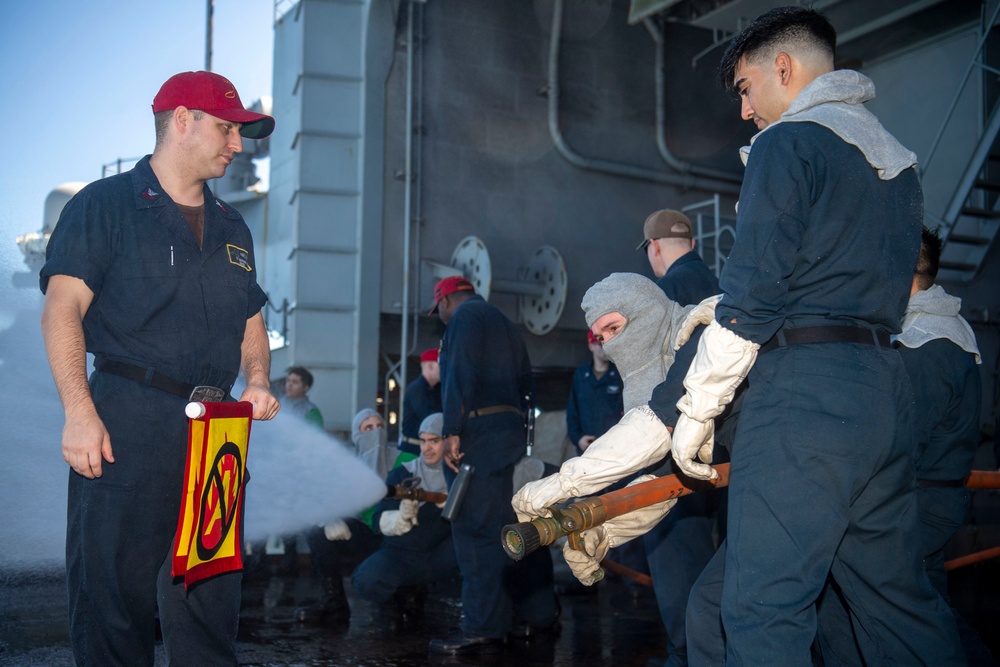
[716,232]
[117,165]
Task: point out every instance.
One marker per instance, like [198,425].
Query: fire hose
[977,479]
[521,539]
[405,492]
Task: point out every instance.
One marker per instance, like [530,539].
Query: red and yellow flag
[210,526]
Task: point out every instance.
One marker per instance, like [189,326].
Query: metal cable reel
[541,285]
[473,260]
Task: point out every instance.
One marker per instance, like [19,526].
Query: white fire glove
[636,441]
[534,498]
[703,313]
[699,440]
[720,365]
[408,510]
[395,522]
[586,564]
[336,531]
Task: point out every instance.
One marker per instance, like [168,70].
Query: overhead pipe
[661,119]
[684,180]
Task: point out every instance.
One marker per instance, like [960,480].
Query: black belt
[806,335]
[146,376]
[940,483]
[494,410]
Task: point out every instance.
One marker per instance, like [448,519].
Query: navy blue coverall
[822,474]
[419,401]
[947,392]
[484,365]
[164,304]
[948,396]
[679,547]
[688,280]
[595,404]
[700,604]
[423,555]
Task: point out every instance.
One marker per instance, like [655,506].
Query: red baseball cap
[215,95]
[447,286]
[429,355]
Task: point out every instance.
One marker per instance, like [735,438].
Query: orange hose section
[623,501]
[983,479]
[403,493]
[977,479]
[972,559]
[432,497]
[640,578]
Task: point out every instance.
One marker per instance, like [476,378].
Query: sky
[78,79]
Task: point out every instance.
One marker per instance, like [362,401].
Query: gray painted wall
[325,202]
[485,163]
[489,167]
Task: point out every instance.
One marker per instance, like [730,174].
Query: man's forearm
[256,364]
[65,347]
[86,443]
[256,353]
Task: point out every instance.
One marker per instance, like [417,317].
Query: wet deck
[612,624]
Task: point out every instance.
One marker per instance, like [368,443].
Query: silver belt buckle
[206,394]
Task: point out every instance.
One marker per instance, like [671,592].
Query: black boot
[332,607]
[459,643]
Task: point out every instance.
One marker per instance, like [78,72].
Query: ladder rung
[968,240]
[980,212]
[987,185]
[956,266]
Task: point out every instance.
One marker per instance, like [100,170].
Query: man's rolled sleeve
[256,298]
[80,245]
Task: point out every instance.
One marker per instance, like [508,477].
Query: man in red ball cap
[443,291]
[421,398]
[485,383]
[161,276]
[214,95]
